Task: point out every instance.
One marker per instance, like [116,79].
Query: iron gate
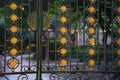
[59,39]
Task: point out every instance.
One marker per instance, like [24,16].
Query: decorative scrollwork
[73,77]
[52,67]
[100,66]
[105,77]
[3,77]
[28,69]
[33,68]
[78,67]
[23,77]
[75,67]
[54,76]
[1,69]
[25,68]
[84,76]
[116,76]
[46,68]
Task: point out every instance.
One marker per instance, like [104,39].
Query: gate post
[39,9]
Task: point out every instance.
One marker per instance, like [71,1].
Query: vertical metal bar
[69,6]
[5,41]
[77,44]
[97,29]
[21,38]
[104,38]
[39,38]
[29,43]
[56,45]
[112,21]
[84,40]
[48,45]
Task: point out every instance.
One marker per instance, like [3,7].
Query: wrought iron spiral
[23,77]
[45,67]
[33,68]
[84,76]
[105,77]
[25,68]
[3,78]
[1,69]
[54,76]
[73,77]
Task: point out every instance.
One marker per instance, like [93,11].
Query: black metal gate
[60,39]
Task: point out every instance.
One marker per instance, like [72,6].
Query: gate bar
[39,29]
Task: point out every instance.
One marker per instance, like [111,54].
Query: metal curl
[74,67]
[1,66]
[84,76]
[100,67]
[52,67]
[25,68]
[117,77]
[44,67]
[33,68]
[1,69]
[54,76]
[48,68]
[82,67]
[3,77]
[77,67]
[105,77]
[22,77]
[73,77]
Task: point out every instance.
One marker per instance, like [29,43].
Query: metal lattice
[60,39]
